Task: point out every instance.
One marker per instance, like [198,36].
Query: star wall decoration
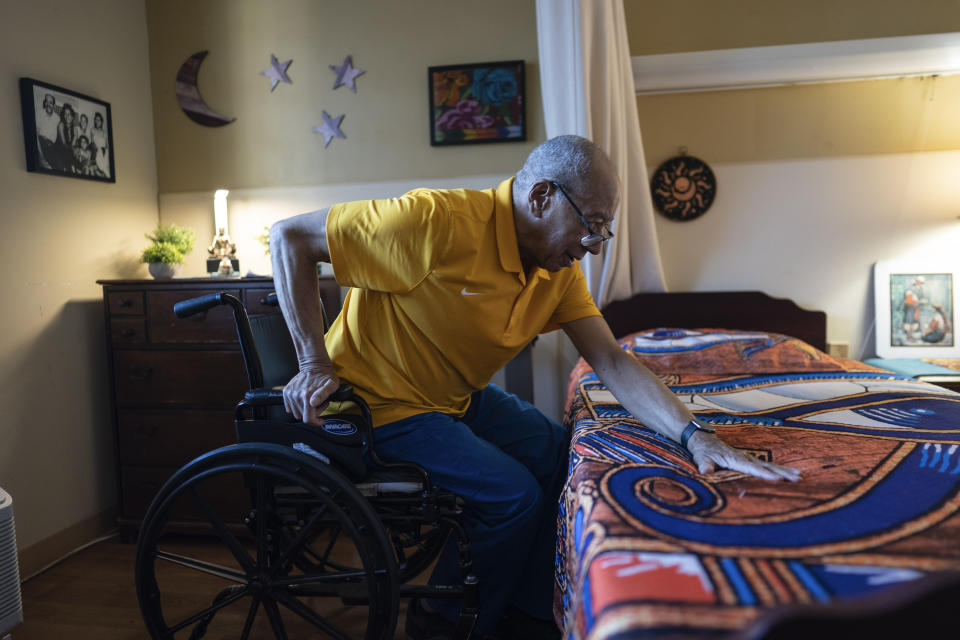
[346,74]
[330,128]
[277,72]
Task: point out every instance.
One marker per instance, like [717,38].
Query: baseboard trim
[41,555]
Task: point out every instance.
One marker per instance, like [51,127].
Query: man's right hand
[305,396]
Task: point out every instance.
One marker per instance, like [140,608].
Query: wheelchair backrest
[275,358]
[341,438]
[275,351]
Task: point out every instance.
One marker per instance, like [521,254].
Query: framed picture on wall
[66,133]
[916,309]
[480,102]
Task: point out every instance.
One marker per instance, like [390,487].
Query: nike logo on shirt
[464,292]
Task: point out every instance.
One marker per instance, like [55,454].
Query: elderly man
[448,286]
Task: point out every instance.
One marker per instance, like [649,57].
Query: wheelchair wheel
[417,548]
[288,546]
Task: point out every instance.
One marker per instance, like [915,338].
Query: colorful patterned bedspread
[649,546]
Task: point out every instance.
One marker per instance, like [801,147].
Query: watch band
[691,427]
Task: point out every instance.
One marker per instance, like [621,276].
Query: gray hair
[567,159]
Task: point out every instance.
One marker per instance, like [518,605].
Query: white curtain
[588,90]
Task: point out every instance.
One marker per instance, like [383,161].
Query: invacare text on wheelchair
[295,531]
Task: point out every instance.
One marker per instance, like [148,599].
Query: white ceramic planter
[162,270]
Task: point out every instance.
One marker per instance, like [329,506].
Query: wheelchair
[307,532]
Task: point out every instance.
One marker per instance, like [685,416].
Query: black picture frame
[477,103]
[67,154]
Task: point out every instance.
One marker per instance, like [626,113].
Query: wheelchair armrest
[263,397]
[345,392]
[268,397]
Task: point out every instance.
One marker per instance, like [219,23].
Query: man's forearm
[643,395]
[635,387]
[652,403]
[296,246]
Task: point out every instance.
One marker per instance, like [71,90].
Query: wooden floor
[91,596]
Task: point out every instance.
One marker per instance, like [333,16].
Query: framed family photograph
[916,309]
[481,102]
[66,133]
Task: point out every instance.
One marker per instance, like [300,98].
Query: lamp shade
[220,210]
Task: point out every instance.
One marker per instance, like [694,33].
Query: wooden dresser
[175,381]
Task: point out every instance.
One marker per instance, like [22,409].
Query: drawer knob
[148,430]
[140,373]
[124,302]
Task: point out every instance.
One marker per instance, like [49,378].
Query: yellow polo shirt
[439,300]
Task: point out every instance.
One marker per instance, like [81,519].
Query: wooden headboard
[746,310]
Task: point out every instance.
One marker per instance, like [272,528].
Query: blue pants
[508,462]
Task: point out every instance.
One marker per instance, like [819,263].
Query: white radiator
[11,608]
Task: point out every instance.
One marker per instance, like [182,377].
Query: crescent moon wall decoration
[683,188]
[188,95]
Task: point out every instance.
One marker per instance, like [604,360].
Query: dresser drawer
[175,384]
[227,495]
[126,331]
[172,437]
[127,303]
[215,326]
[254,299]
[205,379]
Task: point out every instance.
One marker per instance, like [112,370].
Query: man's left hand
[710,452]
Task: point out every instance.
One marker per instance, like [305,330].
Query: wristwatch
[693,426]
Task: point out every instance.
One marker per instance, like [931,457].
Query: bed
[648,547]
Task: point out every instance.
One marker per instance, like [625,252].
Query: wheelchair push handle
[193,306]
[248,349]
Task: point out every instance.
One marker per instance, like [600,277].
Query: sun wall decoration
[683,188]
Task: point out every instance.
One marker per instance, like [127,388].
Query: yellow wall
[822,120]
[802,121]
[386,120]
[704,25]
[59,235]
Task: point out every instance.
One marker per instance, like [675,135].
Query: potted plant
[171,244]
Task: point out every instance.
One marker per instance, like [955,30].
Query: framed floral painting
[482,102]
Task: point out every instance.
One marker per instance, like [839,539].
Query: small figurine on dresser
[224,250]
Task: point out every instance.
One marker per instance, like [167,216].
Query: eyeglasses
[591,239]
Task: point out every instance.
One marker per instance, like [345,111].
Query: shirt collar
[507,233]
